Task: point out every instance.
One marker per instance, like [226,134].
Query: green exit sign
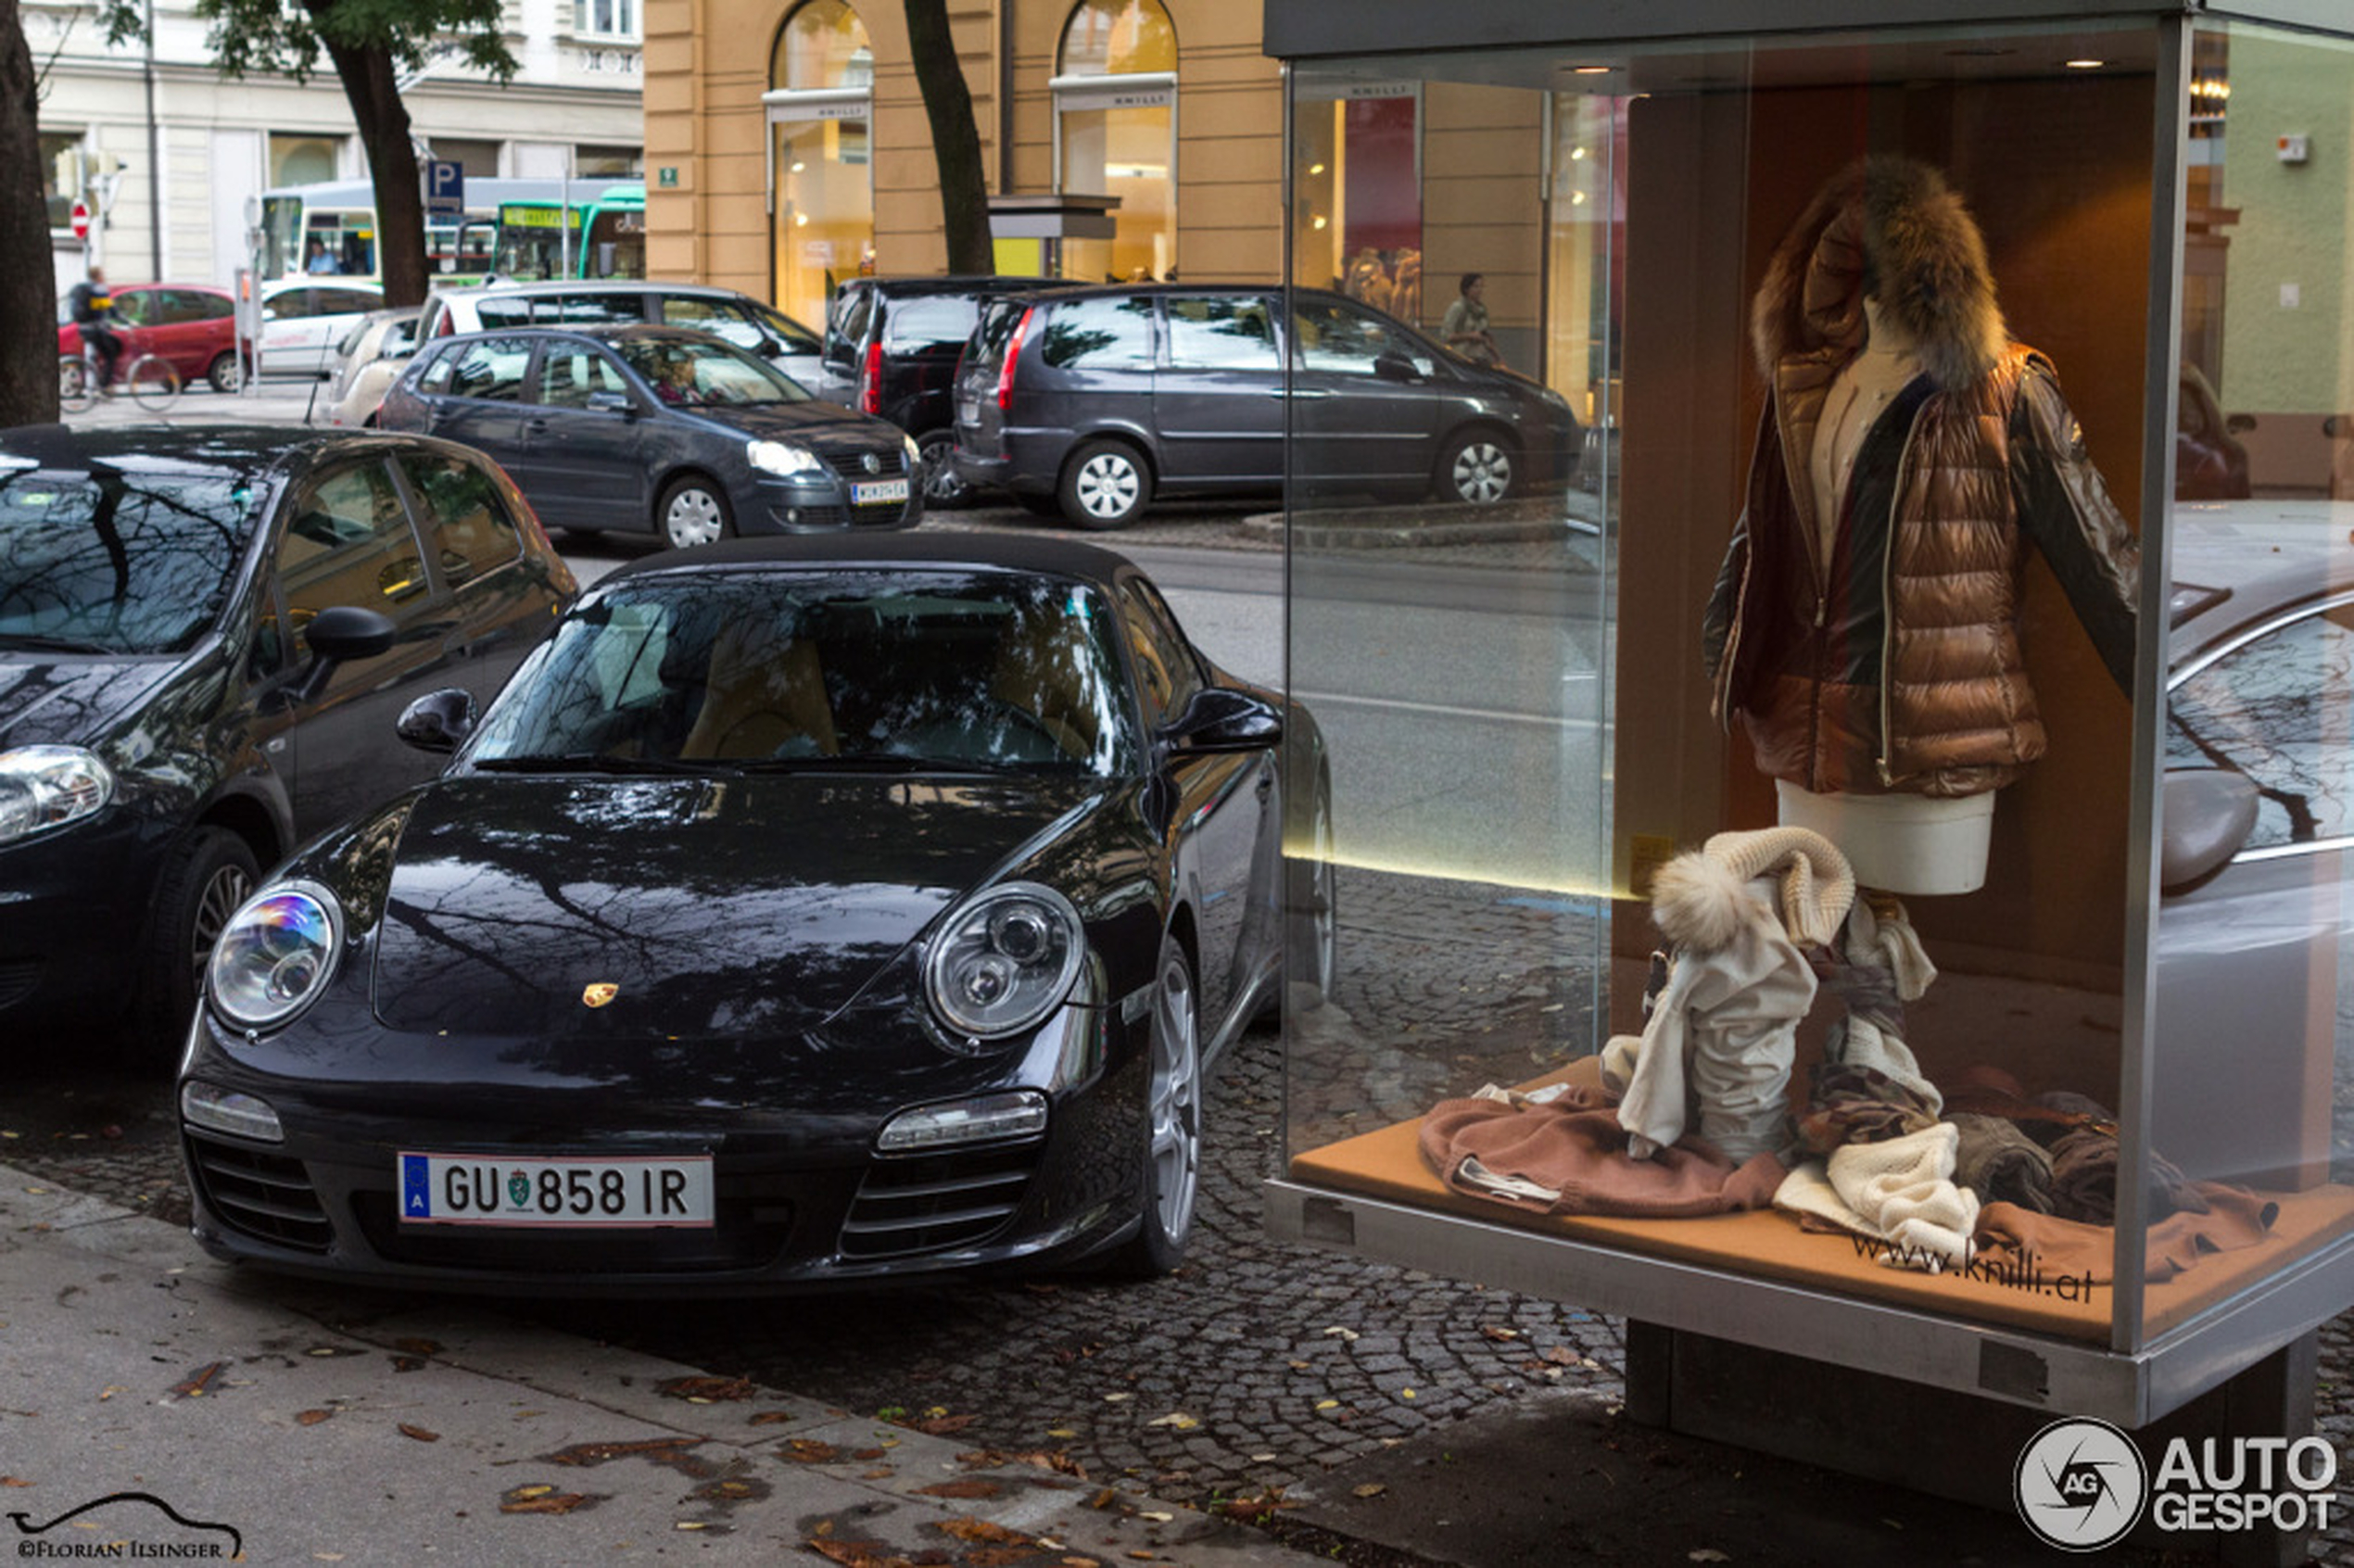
[668,178]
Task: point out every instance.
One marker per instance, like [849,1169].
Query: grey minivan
[1090,401]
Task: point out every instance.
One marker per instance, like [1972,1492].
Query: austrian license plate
[437,1189]
[878,490]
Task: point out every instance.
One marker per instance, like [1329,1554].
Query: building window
[303,160]
[60,175]
[1116,134]
[593,162]
[479,160]
[821,78]
[616,20]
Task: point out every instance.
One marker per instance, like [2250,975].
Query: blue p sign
[444,187]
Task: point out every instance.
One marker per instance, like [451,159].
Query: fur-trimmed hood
[1896,221]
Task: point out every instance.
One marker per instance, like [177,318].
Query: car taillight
[1013,358]
[870,381]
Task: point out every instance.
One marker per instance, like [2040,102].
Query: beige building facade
[787,147]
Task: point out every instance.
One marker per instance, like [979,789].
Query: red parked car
[192,325]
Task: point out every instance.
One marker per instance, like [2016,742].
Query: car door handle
[1266,786]
[535,426]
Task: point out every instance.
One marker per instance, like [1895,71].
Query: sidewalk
[428,1431]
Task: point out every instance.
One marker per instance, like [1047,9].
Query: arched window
[820,105]
[1115,89]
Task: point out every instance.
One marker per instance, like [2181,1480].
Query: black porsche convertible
[806,912]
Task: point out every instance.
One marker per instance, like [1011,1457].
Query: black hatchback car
[659,429]
[206,633]
[1093,400]
[891,350]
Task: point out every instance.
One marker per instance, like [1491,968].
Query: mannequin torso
[1903,843]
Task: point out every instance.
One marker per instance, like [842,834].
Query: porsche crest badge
[599,995]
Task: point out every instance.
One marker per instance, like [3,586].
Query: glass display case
[1843,852]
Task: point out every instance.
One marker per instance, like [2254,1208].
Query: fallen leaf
[1177,1419]
[728,1491]
[1155,1517]
[407,1363]
[1560,1355]
[770,1418]
[415,1346]
[1369,1489]
[971,1488]
[1407,1392]
[690,1524]
[808,1450]
[1116,1398]
[419,1433]
[313,1418]
[881,1472]
[194,1385]
[942,1426]
[965,1527]
[1499,1335]
[1345,1335]
[541,1499]
[851,1554]
[1328,1404]
[706,1390]
[1104,1499]
[14,1481]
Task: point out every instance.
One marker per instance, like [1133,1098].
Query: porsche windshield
[971,671]
[115,560]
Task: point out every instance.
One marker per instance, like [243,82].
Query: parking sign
[445,189]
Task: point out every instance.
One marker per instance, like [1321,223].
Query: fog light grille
[932,1203]
[265,1196]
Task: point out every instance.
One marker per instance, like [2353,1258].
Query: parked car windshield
[696,375]
[116,560]
[947,669]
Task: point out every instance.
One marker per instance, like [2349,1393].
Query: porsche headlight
[43,787]
[1005,960]
[275,954]
[781,457]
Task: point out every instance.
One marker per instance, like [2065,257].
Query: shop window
[1116,134]
[820,104]
[1357,208]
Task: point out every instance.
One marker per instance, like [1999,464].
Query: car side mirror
[438,721]
[612,402]
[342,634]
[1221,720]
[2209,813]
[1396,367]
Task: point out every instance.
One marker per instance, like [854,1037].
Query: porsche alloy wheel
[1172,1145]
[1477,469]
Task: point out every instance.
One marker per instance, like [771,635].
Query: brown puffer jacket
[1896,667]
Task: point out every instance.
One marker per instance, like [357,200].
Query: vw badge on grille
[873,463]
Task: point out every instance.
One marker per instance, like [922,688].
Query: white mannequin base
[1910,844]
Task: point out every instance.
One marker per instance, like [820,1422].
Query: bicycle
[148,378]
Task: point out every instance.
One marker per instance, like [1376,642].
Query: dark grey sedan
[662,428]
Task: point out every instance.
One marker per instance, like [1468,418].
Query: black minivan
[1090,401]
[891,350]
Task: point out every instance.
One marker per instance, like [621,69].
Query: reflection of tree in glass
[2281,710]
[100,560]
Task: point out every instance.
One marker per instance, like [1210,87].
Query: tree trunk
[383,123]
[29,324]
[956,140]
